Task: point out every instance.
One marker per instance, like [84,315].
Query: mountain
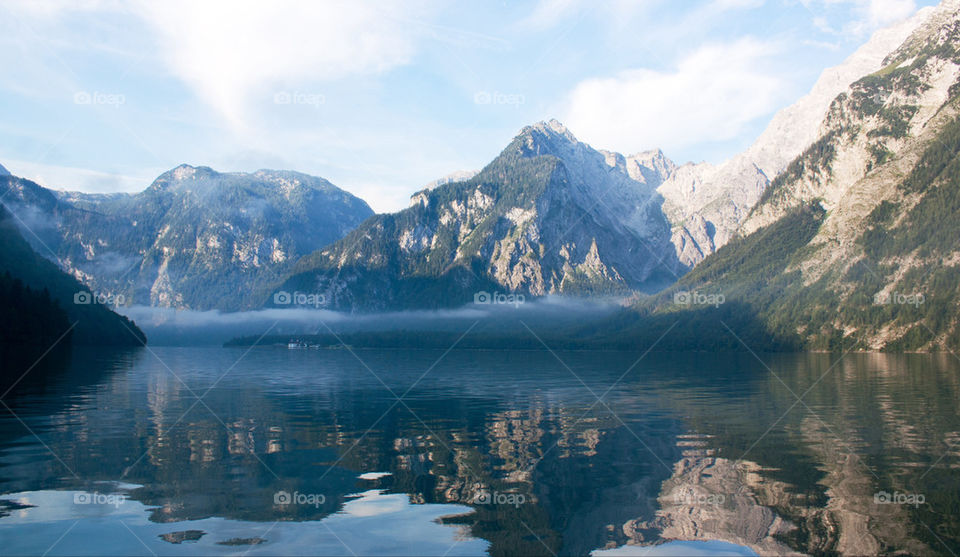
[707,203]
[4,171]
[549,215]
[195,238]
[41,301]
[854,244]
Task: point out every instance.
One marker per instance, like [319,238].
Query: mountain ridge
[195,238]
[547,215]
[707,203]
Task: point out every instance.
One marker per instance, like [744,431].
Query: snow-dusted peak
[651,156]
[554,127]
[4,171]
[184,172]
[289,180]
[551,132]
[204,180]
[180,176]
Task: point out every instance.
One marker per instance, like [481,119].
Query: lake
[203,450]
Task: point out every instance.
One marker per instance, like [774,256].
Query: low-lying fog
[167,326]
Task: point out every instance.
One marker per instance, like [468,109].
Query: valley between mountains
[836,230]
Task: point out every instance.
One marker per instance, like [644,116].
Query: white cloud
[711,95]
[227,49]
[880,13]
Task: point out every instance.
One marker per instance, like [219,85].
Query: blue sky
[381,98]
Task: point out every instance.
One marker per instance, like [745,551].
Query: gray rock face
[648,167]
[871,122]
[706,204]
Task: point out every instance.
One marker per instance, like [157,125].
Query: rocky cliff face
[706,203]
[868,125]
[650,168]
[549,215]
[196,238]
[854,243]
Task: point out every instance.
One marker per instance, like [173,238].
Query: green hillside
[39,300]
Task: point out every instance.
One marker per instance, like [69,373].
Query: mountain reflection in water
[210,450]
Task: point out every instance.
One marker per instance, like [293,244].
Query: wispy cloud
[80,179]
[710,95]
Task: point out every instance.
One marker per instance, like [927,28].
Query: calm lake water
[184,451]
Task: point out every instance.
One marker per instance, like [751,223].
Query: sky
[381,98]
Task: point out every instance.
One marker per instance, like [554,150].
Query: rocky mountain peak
[552,126]
[544,138]
[4,171]
[179,175]
[184,172]
[650,167]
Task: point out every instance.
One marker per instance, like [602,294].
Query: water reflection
[362,527]
[493,452]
